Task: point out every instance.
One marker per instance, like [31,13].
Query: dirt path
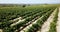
[30,22]
[46,25]
[14,20]
[20,20]
[58,22]
[1,30]
[17,22]
[26,28]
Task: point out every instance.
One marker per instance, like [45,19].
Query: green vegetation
[27,12]
[53,24]
[39,23]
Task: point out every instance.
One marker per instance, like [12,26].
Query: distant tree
[24,5]
[46,4]
[28,4]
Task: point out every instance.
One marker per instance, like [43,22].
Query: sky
[29,1]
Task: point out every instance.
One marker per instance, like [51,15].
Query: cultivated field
[38,18]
